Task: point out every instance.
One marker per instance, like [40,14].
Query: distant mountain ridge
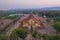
[51,8]
[47,8]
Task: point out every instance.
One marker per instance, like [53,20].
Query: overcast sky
[13,4]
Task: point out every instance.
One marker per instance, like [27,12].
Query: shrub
[36,35]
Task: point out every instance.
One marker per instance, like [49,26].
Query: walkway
[12,28]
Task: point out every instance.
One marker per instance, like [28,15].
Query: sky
[25,4]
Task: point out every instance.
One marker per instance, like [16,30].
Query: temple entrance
[31,28]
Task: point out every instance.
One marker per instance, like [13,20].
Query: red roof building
[31,20]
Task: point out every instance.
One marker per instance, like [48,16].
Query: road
[12,28]
[16,25]
[48,28]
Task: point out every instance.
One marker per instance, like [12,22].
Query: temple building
[31,22]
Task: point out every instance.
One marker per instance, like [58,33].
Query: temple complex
[31,22]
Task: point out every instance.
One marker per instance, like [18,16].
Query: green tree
[57,37]
[56,25]
[13,35]
[48,20]
[46,37]
[36,35]
[2,37]
[21,33]
[57,18]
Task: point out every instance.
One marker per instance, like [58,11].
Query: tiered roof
[31,16]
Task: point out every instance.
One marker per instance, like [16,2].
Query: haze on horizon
[24,4]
